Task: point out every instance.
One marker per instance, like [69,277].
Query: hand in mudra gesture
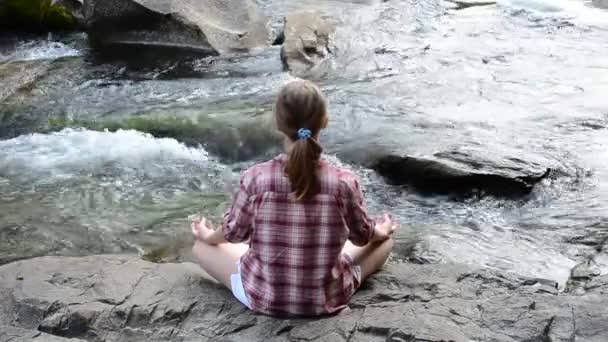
[202,229]
[385,228]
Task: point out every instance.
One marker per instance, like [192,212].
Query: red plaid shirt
[295,265]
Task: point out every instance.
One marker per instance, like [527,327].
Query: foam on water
[507,80]
[86,192]
[68,152]
[37,50]
[577,11]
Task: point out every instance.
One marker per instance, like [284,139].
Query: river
[523,82]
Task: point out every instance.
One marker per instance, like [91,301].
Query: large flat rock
[122,298]
[203,26]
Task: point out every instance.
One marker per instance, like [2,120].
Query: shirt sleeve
[238,219]
[360,225]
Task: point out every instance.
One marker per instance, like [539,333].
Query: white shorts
[236,283]
[355,269]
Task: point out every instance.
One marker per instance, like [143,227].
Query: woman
[310,240]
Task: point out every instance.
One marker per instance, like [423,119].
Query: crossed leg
[219,260]
[370,257]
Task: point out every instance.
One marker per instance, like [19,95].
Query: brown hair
[301,105]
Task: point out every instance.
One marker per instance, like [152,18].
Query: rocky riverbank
[450,113]
[178,30]
[122,298]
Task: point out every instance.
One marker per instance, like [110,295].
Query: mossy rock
[249,138]
[36,15]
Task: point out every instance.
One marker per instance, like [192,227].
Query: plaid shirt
[295,265]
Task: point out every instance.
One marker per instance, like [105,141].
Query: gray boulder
[600,3]
[19,76]
[202,26]
[440,177]
[306,44]
[452,173]
[464,4]
[122,298]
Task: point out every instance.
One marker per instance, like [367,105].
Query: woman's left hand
[202,229]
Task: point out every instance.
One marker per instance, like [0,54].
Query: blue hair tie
[304,133]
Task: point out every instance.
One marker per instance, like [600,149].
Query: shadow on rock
[200,26]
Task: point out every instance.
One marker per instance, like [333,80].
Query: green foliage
[35,15]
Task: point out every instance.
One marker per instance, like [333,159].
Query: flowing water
[520,84]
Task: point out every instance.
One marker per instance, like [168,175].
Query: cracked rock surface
[123,298]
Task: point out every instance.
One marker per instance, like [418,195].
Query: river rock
[202,26]
[439,177]
[18,79]
[463,4]
[600,3]
[306,38]
[33,92]
[455,172]
[122,298]
[18,76]
[436,175]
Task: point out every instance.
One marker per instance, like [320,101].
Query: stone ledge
[123,298]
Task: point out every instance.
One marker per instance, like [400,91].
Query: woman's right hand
[384,228]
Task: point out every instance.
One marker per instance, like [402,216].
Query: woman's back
[296,212]
[295,245]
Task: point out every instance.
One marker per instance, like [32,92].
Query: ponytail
[302,168]
[301,113]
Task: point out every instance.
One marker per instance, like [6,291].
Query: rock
[30,96]
[40,97]
[122,298]
[19,76]
[588,276]
[600,3]
[18,79]
[437,177]
[583,278]
[41,15]
[598,285]
[463,4]
[201,26]
[441,174]
[245,138]
[13,334]
[305,39]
